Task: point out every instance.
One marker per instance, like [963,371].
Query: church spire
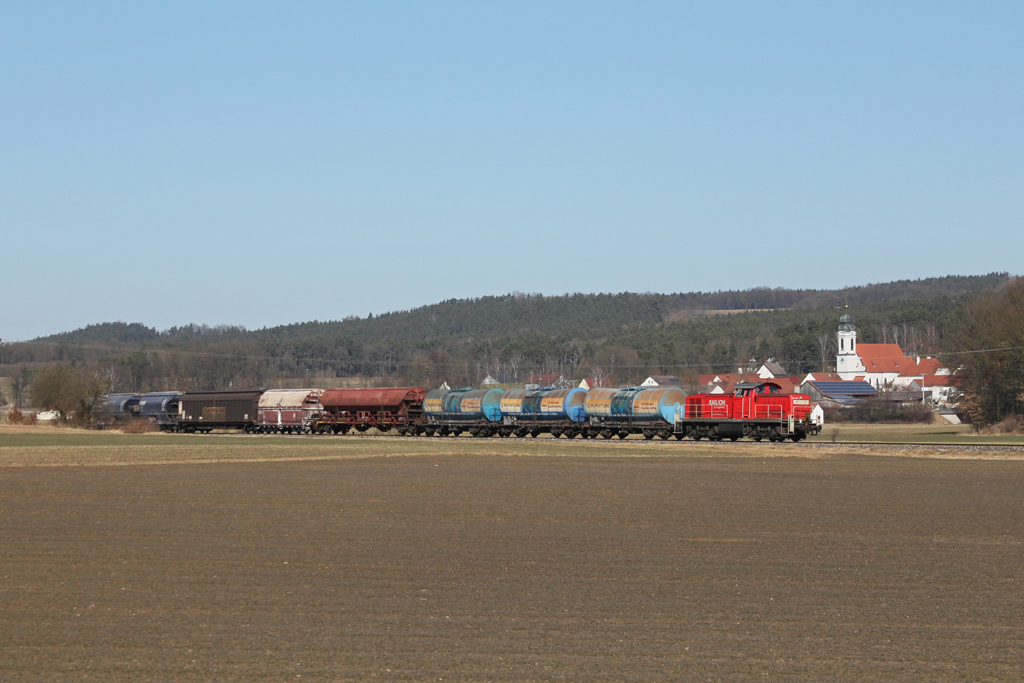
[847,359]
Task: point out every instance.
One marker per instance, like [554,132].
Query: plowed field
[495,567]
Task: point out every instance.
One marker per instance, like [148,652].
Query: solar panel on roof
[848,388]
[843,398]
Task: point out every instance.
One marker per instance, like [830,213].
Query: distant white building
[817,415]
[770,369]
[880,365]
[661,381]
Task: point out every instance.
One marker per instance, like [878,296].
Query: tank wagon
[453,411]
[343,410]
[546,410]
[288,411]
[634,410]
[204,411]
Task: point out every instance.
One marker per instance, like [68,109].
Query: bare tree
[827,347]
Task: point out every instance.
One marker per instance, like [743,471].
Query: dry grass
[138,427]
[48,447]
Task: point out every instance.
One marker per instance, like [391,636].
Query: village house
[771,369]
[883,365]
[662,381]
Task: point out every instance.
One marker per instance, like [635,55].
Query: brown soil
[506,568]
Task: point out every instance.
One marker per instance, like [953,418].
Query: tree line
[622,338]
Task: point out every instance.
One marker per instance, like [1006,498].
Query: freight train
[757,410]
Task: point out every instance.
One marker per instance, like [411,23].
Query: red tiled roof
[883,358]
[825,377]
[730,377]
[926,366]
[935,380]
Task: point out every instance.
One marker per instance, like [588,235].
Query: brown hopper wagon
[388,408]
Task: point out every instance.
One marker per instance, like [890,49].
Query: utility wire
[315,359]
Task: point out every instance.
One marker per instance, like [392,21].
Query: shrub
[879,411]
[1011,424]
[15,416]
[137,426]
[30,419]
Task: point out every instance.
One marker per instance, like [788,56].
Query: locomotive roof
[751,385]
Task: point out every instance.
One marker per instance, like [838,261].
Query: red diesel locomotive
[758,410]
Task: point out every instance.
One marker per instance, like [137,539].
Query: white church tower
[848,363]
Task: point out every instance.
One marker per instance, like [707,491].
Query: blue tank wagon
[634,410]
[547,410]
[453,411]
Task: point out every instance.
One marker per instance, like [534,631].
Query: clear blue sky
[265,163]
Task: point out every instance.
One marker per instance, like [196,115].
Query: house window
[841,344]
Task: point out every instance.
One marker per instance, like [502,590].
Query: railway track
[892,445]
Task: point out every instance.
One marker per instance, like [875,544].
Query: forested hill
[519,313]
[621,337]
